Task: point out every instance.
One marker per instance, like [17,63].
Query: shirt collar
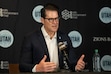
[45,34]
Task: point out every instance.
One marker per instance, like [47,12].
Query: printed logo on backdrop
[36,13]
[71,14]
[101,39]
[6,38]
[4,65]
[105,15]
[76,38]
[106,63]
[6,13]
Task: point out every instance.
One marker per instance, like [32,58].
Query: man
[40,51]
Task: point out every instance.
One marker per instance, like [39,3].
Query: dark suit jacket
[34,48]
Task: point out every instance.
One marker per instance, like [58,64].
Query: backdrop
[87,22]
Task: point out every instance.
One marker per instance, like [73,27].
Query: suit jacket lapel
[44,45]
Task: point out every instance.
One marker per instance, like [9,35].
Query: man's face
[51,21]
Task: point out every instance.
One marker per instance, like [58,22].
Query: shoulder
[63,34]
[33,34]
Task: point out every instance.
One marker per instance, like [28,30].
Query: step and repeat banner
[87,23]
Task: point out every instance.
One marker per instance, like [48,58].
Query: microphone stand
[62,47]
[65,59]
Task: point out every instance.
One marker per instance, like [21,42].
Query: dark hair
[49,6]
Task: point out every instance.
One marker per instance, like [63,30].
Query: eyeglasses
[52,19]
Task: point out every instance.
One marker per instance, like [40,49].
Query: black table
[69,73]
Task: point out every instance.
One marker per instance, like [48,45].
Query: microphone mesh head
[62,46]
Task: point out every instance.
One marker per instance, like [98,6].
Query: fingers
[44,58]
[80,64]
[49,67]
[50,63]
[47,64]
[81,60]
[44,66]
[80,67]
[82,57]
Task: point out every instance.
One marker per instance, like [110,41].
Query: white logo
[70,14]
[36,13]
[105,15]
[6,38]
[106,63]
[6,13]
[76,38]
[101,39]
[4,65]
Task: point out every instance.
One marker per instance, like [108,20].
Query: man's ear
[42,20]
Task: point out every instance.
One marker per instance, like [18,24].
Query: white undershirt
[52,47]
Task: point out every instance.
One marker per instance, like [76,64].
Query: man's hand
[80,64]
[45,66]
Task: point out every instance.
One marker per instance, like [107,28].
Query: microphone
[62,46]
